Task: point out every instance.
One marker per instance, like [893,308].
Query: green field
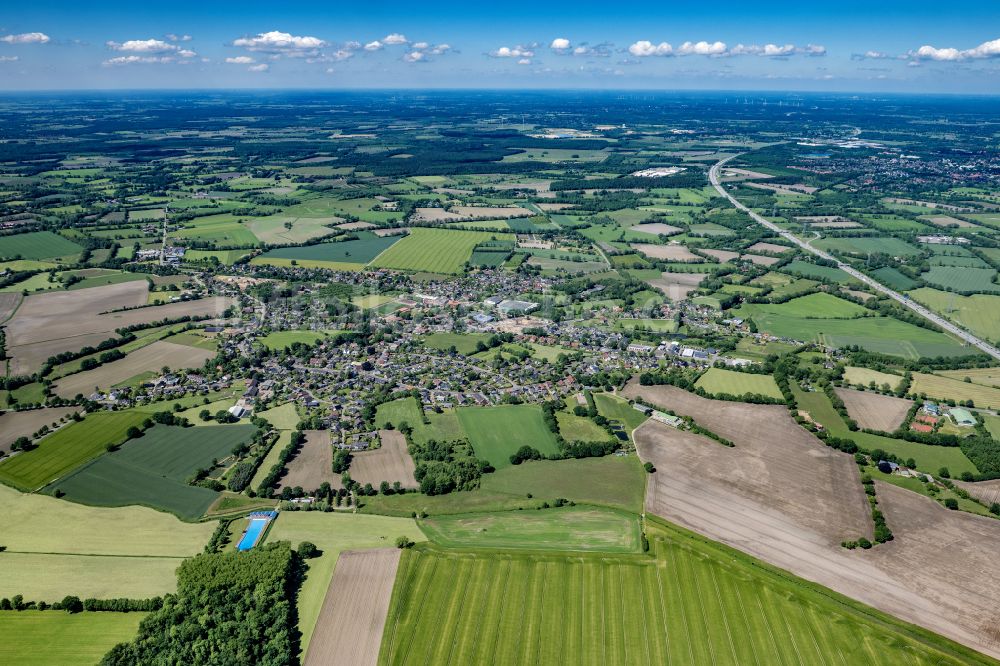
[464,343]
[864,377]
[865,244]
[718,380]
[43,638]
[282,417]
[693,602]
[55,548]
[575,528]
[153,470]
[980,313]
[963,279]
[580,428]
[810,270]
[223,228]
[435,250]
[224,256]
[360,251]
[333,533]
[281,339]
[945,388]
[497,432]
[893,278]
[67,449]
[617,409]
[442,427]
[37,245]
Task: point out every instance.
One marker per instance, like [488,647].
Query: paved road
[713,176]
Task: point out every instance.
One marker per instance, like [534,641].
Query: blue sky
[885,46]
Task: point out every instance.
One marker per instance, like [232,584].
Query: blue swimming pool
[258,523]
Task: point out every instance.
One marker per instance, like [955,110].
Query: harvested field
[458,213]
[147,359]
[394,231]
[984,491]
[760,259]
[350,625]
[57,321]
[874,411]
[9,301]
[390,463]
[783,497]
[864,377]
[656,228]
[721,255]
[355,226]
[797,188]
[313,465]
[677,286]
[948,221]
[769,248]
[553,207]
[668,252]
[22,424]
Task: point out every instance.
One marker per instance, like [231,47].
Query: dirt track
[313,465]
[875,411]
[57,321]
[150,358]
[350,626]
[390,463]
[940,572]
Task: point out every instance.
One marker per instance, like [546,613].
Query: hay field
[874,411]
[434,250]
[353,616]
[656,229]
[984,376]
[864,377]
[944,388]
[148,359]
[23,424]
[718,380]
[667,252]
[312,465]
[769,248]
[760,259]
[391,462]
[497,432]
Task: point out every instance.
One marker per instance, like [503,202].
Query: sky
[809,45]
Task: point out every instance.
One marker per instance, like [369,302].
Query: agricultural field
[497,432]
[37,245]
[333,533]
[312,465]
[874,411]
[68,448]
[980,313]
[390,462]
[580,428]
[720,381]
[153,470]
[360,251]
[434,250]
[41,638]
[586,529]
[963,279]
[464,343]
[984,376]
[680,605]
[26,423]
[948,388]
[865,376]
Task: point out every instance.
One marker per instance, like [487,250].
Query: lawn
[615,481]
[333,533]
[576,528]
[37,245]
[717,380]
[281,339]
[692,602]
[68,448]
[497,432]
[435,250]
[464,343]
[153,470]
[42,638]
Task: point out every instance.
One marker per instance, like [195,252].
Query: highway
[713,176]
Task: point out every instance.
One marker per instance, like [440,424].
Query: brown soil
[391,462]
[668,252]
[350,625]
[22,424]
[312,465]
[677,286]
[874,411]
[8,303]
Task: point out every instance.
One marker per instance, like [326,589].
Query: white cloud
[512,52]
[645,49]
[421,45]
[439,49]
[702,48]
[186,53]
[341,54]
[414,56]
[989,49]
[9,58]
[395,39]
[374,46]
[280,43]
[352,45]
[524,61]
[139,60]
[240,60]
[262,67]
[178,38]
[559,44]
[26,38]
[143,46]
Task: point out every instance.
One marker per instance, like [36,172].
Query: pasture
[434,250]
[497,432]
[153,470]
[719,381]
[37,245]
[574,529]
[333,533]
[464,343]
[811,270]
[42,638]
[68,448]
[444,426]
[693,602]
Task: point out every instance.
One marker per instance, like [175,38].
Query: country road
[713,176]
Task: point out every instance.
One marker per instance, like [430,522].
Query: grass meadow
[690,602]
[435,250]
[37,245]
[718,380]
[497,432]
[42,638]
